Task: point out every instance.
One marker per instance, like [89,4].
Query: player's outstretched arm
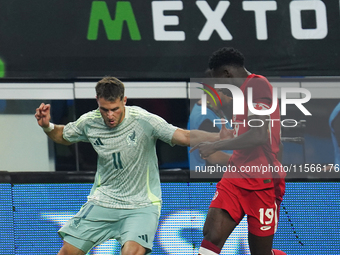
[55,132]
[255,136]
[218,158]
[193,137]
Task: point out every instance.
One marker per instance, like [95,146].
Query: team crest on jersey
[215,196]
[131,138]
[75,223]
[260,106]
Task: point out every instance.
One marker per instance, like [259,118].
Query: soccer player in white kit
[125,200]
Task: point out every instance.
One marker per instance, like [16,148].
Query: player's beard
[116,121]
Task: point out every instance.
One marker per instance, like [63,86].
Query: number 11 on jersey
[117,163]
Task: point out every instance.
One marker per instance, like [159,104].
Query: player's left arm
[256,135]
[192,137]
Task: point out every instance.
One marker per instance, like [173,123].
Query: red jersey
[258,167]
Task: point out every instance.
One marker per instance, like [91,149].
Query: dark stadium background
[44,46]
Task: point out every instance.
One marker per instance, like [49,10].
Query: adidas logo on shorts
[144,237]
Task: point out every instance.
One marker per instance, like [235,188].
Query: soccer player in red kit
[256,187]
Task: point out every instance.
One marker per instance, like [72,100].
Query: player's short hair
[110,88]
[226,56]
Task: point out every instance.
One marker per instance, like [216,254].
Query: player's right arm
[43,116]
[255,136]
[219,157]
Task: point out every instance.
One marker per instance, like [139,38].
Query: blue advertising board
[309,219]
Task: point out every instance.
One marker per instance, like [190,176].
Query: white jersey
[127,170]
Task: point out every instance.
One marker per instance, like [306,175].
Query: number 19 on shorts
[266,218]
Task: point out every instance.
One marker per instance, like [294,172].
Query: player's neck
[243,73]
[123,116]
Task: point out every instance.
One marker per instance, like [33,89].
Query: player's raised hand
[226,133]
[42,114]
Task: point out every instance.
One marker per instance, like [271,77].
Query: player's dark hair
[110,88]
[226,56]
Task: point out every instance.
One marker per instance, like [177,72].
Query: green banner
[157,39]
[2,69]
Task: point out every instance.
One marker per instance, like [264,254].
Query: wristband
[49,128]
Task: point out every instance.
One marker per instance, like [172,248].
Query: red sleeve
[262,91]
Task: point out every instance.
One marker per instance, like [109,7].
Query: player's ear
[226,73]
[125,100]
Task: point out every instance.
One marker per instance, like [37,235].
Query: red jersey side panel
[256,166]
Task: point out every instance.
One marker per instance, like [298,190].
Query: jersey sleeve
[161,129]
[75,131]
[262,93]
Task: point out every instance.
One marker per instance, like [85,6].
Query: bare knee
[210,235]
[218,226]
[69,249]
[213,237]
[260,245]
[133,248]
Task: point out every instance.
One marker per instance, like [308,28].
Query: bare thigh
[133,248]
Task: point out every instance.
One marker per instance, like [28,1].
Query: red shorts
[261,206]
